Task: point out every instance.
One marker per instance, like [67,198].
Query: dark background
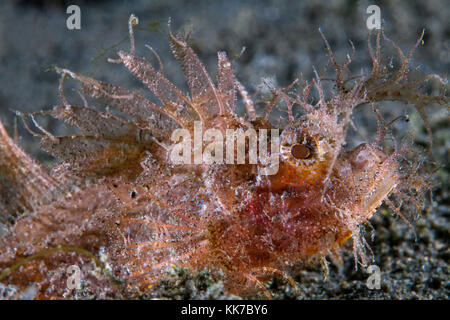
[282,41]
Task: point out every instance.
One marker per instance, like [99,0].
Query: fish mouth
[381,189]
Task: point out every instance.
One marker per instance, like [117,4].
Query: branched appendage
[416,180]
[24,184]
[384,84]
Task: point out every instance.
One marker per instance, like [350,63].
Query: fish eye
[300,151]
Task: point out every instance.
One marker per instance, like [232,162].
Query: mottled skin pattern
[120,210]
